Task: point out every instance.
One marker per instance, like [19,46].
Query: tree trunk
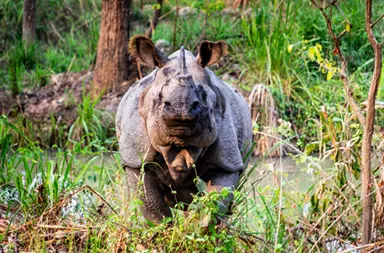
[367,228]
[29,21]
[113,62]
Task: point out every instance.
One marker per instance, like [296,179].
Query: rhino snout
[181,116]
[178,173]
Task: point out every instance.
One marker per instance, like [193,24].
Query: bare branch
[341,34]
[336,39]
[342,13]
[315,4]
[377,21]
[331,4]
[355,107]
[155,20]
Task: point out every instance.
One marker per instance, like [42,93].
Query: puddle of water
[266,171]
[294,176]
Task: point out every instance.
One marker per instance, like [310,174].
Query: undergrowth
[75,199]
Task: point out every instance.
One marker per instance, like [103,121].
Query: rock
[164,46]
[185,12]
[247,13]
[226,77]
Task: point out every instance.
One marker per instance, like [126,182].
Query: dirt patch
[59,99]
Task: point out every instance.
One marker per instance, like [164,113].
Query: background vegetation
[43,201]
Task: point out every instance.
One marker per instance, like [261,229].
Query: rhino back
[130,127]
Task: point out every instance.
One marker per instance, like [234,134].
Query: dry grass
[265,115]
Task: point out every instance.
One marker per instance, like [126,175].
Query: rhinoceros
[178,123]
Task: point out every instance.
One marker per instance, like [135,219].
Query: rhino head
[181,107]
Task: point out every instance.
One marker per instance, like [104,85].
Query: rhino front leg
[154,207]
[223,180]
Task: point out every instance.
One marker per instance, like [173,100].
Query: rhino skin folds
[181,120]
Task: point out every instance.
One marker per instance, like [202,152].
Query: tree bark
[29,21]
[366,149]
[112,62]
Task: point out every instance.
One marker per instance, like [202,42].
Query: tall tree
[112,62]
[29,21]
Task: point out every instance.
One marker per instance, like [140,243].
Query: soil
[59,99]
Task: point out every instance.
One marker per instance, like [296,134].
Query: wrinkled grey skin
[179,116]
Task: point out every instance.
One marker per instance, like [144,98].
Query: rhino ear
[144,51]
[211,52]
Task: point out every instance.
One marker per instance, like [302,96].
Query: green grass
[72,191]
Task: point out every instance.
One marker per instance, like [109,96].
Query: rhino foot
[154,206]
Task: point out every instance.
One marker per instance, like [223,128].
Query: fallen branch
[84,229]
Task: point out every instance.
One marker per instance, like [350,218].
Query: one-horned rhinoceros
[181,121]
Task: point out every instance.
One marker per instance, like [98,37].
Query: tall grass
[65,31]
[91,126]
[268,30]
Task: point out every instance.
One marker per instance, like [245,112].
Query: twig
[373,249]
[86,22]
[55,31]
[166,14]
[330,4]
[336,39]
[63,201]
[340,216]
[62,227]
[342,13]
[377,21]
[100,197]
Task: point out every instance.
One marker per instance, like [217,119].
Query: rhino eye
[167,103]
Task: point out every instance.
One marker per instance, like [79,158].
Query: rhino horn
[182,64]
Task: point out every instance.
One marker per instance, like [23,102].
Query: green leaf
[348,27]
[82,172]
[310,147]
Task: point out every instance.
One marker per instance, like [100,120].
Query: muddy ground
[59,99]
